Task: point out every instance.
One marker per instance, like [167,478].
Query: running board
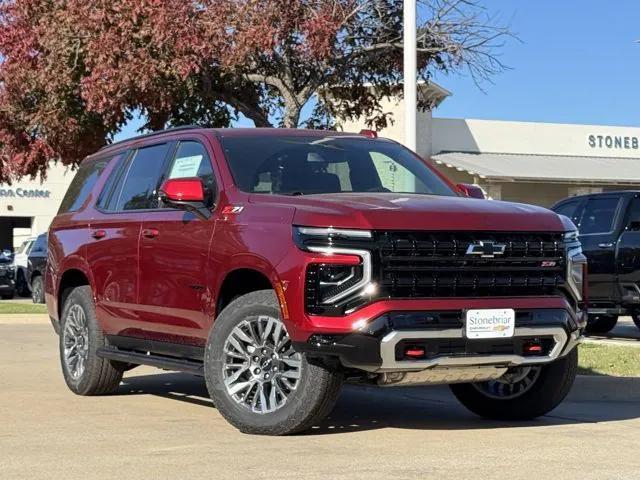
[153,360]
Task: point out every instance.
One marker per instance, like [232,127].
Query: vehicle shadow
[593,399]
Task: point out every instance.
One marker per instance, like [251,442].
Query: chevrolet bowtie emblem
[486,249]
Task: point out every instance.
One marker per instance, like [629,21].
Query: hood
[382,211]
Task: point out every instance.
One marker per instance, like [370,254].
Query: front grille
[432,264]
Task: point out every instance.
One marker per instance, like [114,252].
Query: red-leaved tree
[73,72]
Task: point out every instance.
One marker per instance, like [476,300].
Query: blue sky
[577,61]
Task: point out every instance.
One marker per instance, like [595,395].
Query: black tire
[7,296]
[549,389]
[312,400]
[601,323]
[636,318]
[37,289]
[99,377]
[21,285]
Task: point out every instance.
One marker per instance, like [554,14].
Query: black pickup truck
[609,225]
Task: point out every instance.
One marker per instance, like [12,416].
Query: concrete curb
[24,318]
[596,388]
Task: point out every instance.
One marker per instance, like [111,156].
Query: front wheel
[523,393]
[257,381]
[635,315]
[601,323]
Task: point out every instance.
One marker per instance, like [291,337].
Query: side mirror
[471,191]
[185,194]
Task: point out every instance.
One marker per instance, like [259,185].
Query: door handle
[98,234]
[605,245]
[150,232]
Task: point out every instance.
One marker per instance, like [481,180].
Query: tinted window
[568,209]
[633,217]
[40,245]
[192,160]
[598,216]
[82,185]
[298,165]
[139,189]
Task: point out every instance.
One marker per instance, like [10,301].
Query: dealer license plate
[498,323]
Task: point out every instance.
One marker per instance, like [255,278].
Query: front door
[174,253]
[599,225]
[113,252]
[629,253]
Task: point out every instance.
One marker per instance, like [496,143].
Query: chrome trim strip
[342,232]
[365,255]
[389,342]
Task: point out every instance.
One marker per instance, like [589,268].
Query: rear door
[112,252]
[174,252]
[599,227]
[629,252]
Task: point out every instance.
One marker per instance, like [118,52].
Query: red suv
[279,263]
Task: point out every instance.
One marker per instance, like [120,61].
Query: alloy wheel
[75,339]
[260,368]
[516,382]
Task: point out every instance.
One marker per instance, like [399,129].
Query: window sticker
[185,167]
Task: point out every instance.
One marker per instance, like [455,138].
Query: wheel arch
[74,275]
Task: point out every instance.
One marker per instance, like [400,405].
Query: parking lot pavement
[163,425]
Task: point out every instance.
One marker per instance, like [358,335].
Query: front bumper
[378,346]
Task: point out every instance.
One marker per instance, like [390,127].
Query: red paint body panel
[165,285]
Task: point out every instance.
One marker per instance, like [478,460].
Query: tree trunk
[291,117]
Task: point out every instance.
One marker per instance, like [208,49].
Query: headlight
[571,236]
[576,275]
[341,277]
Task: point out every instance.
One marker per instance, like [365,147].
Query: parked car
[277,263]
[7,274]
[37,265]
[609,225]
[21,262]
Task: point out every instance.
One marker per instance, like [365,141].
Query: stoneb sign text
[613,142]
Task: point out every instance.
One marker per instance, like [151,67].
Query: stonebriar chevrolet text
[280,263]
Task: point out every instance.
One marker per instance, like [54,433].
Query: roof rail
[151,134]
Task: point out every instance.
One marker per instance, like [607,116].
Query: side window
[599,215]
[633,217]
[569,209]
[138,191]
[82,185]
[191,160]
[40,245]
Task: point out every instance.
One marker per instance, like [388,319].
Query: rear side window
[137,189]
[82,185]
[599,215]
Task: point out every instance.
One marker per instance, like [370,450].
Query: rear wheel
[21,285]
[601,323]
[80,339]
[37,289]
[635,315]
[522,393]
[258,382]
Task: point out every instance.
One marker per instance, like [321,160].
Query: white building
[27,207]
[527,162]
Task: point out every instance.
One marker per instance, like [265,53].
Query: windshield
[299,165]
